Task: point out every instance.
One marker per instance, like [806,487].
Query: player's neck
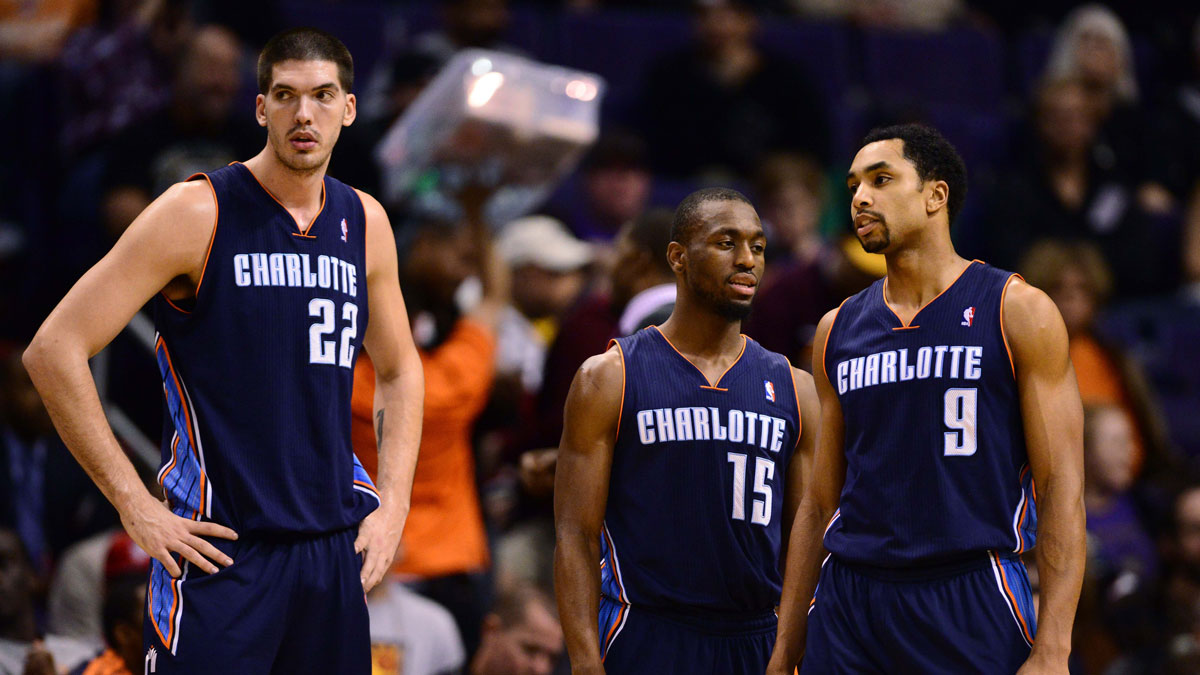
[700,333]
[299,192]
[918,274]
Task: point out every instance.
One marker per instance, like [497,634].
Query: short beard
[724,308]
[879,244]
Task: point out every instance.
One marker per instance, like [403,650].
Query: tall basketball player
[951,432]
[680,467]
[262,276]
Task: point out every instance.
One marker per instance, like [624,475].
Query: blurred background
[1079,123]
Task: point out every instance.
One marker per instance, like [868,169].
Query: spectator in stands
[1064,187]
[615,183]
[126,571]
[1182,588]
[467,23]
[202,129]
[1075,276]
[549,272]
[411,634]
[1177,126]
[18,627]
[719,106]
[521,635]
[928,15]
[1093,47]
[444,549]
[116,72]
[45,497]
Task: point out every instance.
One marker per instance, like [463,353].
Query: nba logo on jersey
[769,386]
[968,314]
[345,230]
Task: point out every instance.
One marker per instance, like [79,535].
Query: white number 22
[322,351]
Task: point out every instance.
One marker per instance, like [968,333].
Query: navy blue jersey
[695,495]
[936,466]
[258,371]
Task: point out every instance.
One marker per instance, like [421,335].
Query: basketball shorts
[636,640]
[287,605]
[969,617]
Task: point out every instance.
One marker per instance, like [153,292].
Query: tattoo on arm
[379,427]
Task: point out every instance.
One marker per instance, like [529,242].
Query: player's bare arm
[1053,417]
[399,397]
[164,249]
[805,551]
[591,418]
[800,468]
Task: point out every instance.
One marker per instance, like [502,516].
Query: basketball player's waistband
[710,621]
[928,571]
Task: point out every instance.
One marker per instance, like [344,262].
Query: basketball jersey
[936,467]
[259,370]
[698,472]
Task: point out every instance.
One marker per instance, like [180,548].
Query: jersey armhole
[621,410]
[207,253]
[1003,334]
[829,336]
[796,395]
[363,209]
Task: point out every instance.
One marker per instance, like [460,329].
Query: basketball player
[680,464]
[949,411]
[262,276]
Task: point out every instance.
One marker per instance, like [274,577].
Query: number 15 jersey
[258,371]
[936,466]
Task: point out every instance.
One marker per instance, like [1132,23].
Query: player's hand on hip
[161,533]
[379,536]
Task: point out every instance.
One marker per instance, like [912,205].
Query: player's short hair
[934,157]
[687,215]
[305,44]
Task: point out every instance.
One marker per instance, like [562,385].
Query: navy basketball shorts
[636,640]
[292,605]
[971,617]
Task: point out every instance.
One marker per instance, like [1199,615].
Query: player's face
[723,263]
[886,194]
[304,112]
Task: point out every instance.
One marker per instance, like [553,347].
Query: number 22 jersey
[258,371]
[936,465]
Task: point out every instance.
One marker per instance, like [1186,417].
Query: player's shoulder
[1032,321]
[1025,303]
[602,371]
[185,211]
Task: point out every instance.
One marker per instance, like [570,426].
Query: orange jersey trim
[1003,334]
[304,232]
[715,386]
[187,417]
[1013,599]
[908,324]
[825,346]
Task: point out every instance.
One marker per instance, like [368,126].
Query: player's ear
[351,110]
[938,196]
[675,256]
[260,110]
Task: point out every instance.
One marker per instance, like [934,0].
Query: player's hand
[161,533]
[378,535]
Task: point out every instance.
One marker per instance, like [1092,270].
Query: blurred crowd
[1080,125]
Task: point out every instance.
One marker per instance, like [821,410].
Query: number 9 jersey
[258,371]
[936,466]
